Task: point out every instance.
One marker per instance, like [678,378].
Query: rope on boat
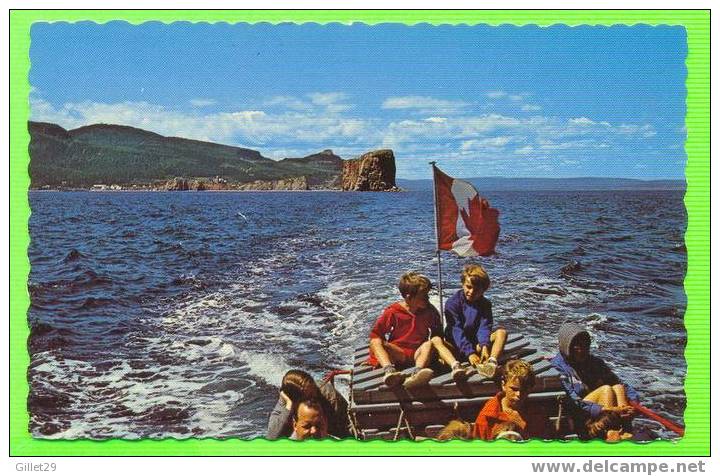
[672,426]
[330,376]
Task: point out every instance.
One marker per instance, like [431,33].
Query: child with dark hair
[309,421]
[298,386]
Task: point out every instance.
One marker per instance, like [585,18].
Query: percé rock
[293,183]
[374,172]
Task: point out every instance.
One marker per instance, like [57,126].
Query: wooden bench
[381,412]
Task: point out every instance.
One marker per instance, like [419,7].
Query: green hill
[324,167]
[112,154]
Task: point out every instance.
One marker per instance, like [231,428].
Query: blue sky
[481,101]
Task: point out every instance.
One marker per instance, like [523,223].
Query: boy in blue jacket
[588,381]
[468,330]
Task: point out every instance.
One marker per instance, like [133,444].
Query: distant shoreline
[402,190]
[202,191]
[576,184]
[483,184]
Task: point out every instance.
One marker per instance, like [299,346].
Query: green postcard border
[697,199]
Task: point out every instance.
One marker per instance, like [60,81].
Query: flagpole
[437,246]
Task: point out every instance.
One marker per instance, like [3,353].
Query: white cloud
[528,149]
[584,126]
[582,121]
[249,127]
[585,122]
[515,98]
[496,94]
[333,102]
[288,102]
[424,104]
[496,141]
[576,144]
[489,143]
[201,102]
[302,127]
[338,108]
[326,99]
[470,126]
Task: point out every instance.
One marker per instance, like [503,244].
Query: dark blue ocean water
[176,314]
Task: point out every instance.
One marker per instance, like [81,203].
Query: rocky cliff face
[182,184]
[325,168]
[177,184]
[294,183]
[116,154]
[106,156]
[374,172]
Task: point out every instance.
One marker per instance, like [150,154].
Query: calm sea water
[176,314]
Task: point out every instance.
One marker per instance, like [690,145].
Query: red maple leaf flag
[465,222]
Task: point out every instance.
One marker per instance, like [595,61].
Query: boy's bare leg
[378,350]
[620,397]
[387,353]
[459,373]
[445,354]
[603,396]
[424,354]
[498,339]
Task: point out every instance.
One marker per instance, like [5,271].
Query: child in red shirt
[508,406]
[400,337]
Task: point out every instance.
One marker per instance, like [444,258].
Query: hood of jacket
[568,332]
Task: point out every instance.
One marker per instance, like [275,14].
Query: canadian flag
[465,222]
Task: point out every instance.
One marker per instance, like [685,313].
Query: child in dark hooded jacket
[588,381]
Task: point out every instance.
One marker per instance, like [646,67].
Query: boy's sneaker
[418,378]
[393,378]
[459,374]
[488,369]
[470,370]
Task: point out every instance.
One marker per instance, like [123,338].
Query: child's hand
[516,418]
[623,412]
[474,359]
[484,353]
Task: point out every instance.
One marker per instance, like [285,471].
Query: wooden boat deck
[381,412]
